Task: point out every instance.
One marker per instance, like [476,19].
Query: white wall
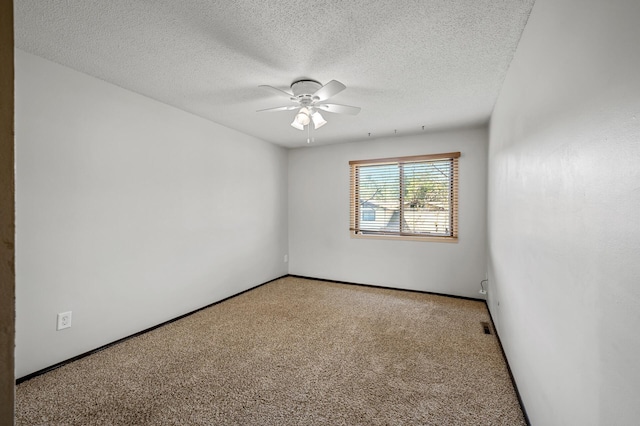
[319,240]
[131,212]
[564,200]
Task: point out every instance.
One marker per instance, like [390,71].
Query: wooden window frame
[354,209]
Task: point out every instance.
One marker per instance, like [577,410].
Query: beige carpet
[292,352]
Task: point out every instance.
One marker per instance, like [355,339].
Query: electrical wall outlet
[286,258]
[64,320]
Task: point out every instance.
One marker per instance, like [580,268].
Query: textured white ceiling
[408,64]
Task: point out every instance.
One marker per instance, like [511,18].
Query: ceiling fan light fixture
[318,120]
[302,117]
[297,125]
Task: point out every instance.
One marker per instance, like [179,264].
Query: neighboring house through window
[368,211]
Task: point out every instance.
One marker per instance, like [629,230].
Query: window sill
[404,238]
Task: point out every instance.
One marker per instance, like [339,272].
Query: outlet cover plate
[64,320]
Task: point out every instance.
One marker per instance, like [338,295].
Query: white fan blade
[330,89]
[278,91]
[282,108]
[338,109]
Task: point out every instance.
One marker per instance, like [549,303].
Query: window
[411,197]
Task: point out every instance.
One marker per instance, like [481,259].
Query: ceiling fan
[309,97]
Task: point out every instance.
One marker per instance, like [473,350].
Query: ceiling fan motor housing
[303,90]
